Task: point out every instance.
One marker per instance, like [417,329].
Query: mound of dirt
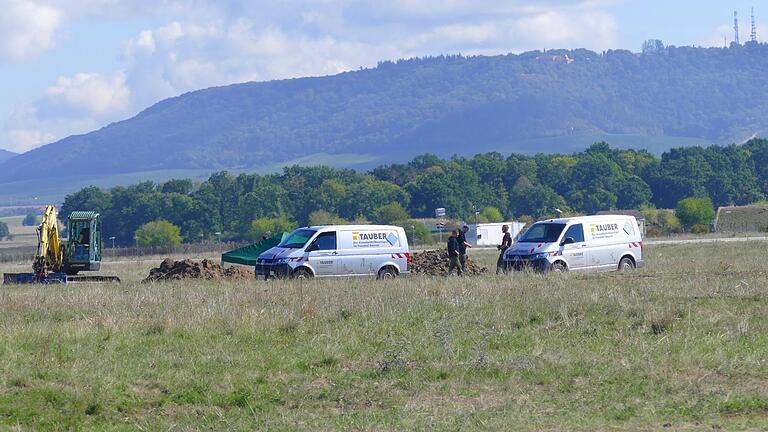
[436,263]
[189,269]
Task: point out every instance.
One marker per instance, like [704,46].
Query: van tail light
[408,258]
[642,247]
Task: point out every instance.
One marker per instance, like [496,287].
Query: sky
[73,66]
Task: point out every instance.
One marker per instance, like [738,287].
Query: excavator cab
[83,248]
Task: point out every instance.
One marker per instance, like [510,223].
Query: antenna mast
[736,27]
[753,34]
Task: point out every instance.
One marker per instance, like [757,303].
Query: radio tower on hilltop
[736,27]
[753,34]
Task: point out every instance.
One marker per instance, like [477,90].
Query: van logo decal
[374,239]
[605,230]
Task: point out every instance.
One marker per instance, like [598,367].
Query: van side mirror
[567,241]
[313,247]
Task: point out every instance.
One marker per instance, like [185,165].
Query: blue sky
[72,66]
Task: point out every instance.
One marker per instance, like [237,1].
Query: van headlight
[281,260]
[539,256]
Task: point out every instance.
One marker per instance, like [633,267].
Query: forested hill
[5,155]
[524,103]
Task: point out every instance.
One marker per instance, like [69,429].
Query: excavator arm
[50,255]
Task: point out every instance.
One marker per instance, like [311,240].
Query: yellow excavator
[57,261]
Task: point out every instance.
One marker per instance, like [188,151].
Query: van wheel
[387,273]
[626,264]
[301,273]
[559,267]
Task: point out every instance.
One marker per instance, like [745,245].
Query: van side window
[576,232]
[326,241]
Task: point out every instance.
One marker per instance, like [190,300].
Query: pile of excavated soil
[189,269]
[436,263]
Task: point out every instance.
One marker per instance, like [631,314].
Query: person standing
[453,253]
[506,242]
[463,245]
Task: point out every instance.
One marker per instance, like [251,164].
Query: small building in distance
[737,219]
[489,234]
[636,213]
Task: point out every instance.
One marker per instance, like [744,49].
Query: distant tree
[182,186]
[322,217]
[491,214]
[389,213]
[693,211]
[4,231]
[29,220]
[158,233]
[653,46]
[269,226]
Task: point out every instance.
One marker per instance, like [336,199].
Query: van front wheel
[301,273]
[559,267]
[626,264]
[387,273]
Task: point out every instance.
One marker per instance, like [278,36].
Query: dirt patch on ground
[190,269]
[436,263]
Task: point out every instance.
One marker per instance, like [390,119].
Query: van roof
[354,227]
[586,218]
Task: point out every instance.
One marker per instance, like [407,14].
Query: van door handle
[334,253]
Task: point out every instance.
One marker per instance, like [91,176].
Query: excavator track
[55,279]
[93,279]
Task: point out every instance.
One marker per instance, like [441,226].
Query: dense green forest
[599,178]
[441,105]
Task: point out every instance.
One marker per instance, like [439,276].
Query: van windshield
[297,239]
[542,233]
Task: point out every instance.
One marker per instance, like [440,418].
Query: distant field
[22,235]
[679,345]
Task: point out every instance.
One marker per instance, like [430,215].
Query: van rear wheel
[387,273]
[626,264]
[301,273]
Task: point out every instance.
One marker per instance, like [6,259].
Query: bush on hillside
[158,233]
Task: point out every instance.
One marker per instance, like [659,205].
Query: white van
[338,250]
[588,243]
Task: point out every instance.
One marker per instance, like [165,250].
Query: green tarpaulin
[247,255]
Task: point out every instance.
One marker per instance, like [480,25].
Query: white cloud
[207,43]
[27,28]
[27,139]
[91,92]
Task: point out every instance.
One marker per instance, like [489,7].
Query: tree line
[245,206]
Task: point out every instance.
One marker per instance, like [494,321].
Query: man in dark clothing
[453,253]
[463,245]
[506,242]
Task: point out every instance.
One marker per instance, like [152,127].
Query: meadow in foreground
[681,344]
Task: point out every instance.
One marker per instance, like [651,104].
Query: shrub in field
[490,214]
[29,220]
[158,233]
[668,222]
[700,229]
[390,213]
[692,211]
[4,232]
[268,226]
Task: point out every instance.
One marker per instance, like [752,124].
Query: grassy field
[679,345]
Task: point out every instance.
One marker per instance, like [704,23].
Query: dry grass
[682,343]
